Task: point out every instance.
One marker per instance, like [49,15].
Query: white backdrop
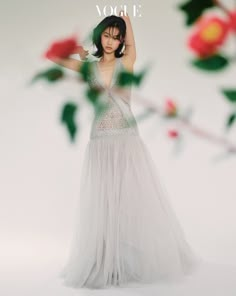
[40,169]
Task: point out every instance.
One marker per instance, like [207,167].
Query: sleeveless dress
[126,233]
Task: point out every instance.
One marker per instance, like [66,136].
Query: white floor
[41,280]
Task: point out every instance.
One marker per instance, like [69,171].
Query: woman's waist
[112,131]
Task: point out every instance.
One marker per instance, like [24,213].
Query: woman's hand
[81,51]
[122,14]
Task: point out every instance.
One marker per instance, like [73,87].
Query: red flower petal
[62,48]
[202,49]
[232,20]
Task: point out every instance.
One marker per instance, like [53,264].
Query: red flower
[210,33]
[232,20]
[170,107]
[62,48]
[173,133]
[202,49]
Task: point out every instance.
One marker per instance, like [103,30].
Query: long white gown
[126,231]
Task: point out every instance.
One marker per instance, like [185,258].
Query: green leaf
[68,118]
[193,9]
[212,63]
[230,94]
[125,78]
[92,94]
[51,75]
[230,120]
[85,71]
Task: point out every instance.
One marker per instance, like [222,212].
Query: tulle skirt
[126,232]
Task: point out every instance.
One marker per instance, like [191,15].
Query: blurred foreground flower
[210,33]
[172,133]
[62,48]
[170,108]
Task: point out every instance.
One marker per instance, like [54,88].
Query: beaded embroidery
[117,118]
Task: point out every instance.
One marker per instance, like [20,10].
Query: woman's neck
[107,58]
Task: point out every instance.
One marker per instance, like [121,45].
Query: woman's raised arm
[130,48]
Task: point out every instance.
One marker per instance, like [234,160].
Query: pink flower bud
[170,107]
[173,133]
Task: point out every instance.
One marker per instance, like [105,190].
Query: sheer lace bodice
[117,118]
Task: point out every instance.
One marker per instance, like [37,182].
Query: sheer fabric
[125,232]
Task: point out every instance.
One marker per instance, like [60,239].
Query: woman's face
[109,39]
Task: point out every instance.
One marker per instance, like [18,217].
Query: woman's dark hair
[109,21]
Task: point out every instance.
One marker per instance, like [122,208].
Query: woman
[126,231]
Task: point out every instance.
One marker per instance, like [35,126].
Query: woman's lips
[108,47]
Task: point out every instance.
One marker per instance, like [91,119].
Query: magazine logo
[114,10]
